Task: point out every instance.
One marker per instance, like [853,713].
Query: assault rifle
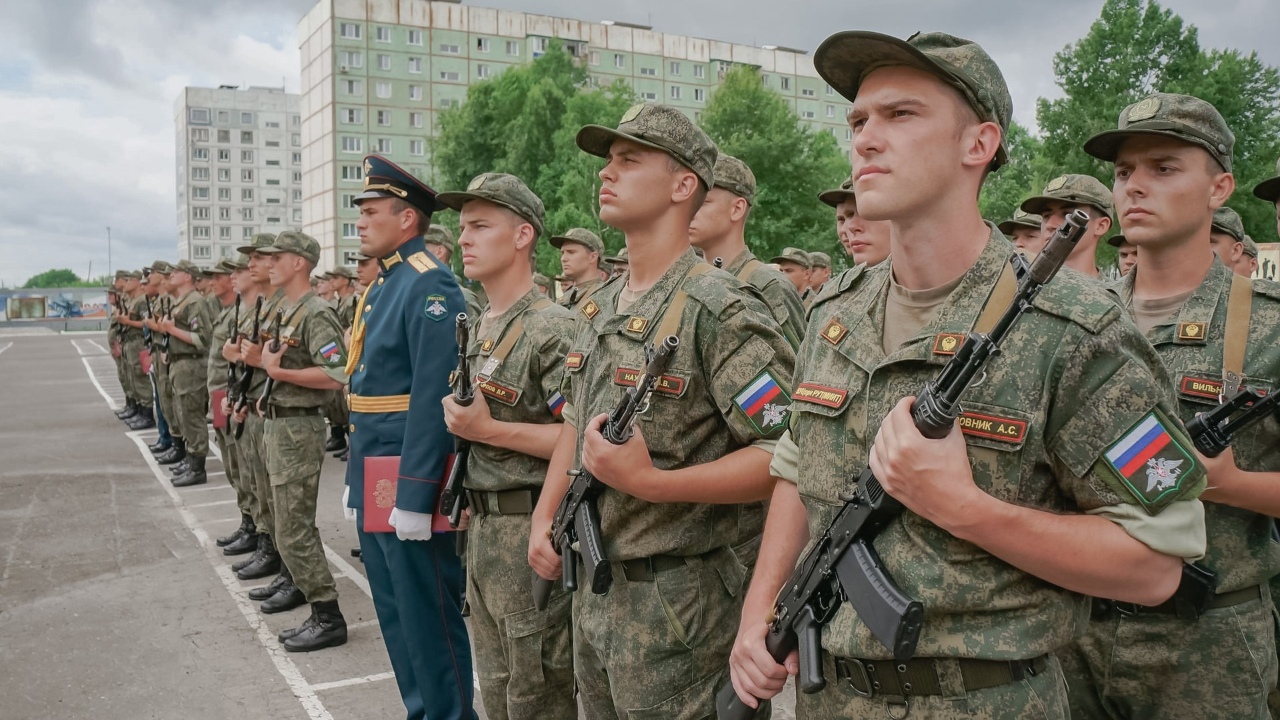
[843,564]
[1212,432]
[453,498]
[235,334]
[275,347]
[244,370]
[577,519]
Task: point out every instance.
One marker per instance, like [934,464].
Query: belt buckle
[1126,609]
[847,666]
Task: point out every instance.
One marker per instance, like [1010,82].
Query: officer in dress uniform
[403,346]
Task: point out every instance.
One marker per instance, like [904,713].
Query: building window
[348,201]
[201,252]
[349,258]
[513,48]
[384,118]
[272,143]
[384,62]
[224,136]
[273,124]
[297,176]
[353,116]
[786,82]
[199,115]
[224,116]
[224,213]
[449,76]
[199,173]
[808,114]
[224,156]
[619,60]
[539,46]
[246,195]
[224,194]
[829,91]
[807,92]
[848,133]
[273,163]
[246,156]
[831,111]
[295,120]
[200,134]
[415,119]
[482,70]
[350,31]
[446,49]
[415,147]
[675,68]
[349,231]
[352,144]
[383,89]
[482,45]
[415,37]
[199,213]
[764,80]
[199,153]
[415,64]
[297,215]
[649,96]
[353,87]
[246,137]
[199,193]
[700,71]
[246,214]
[224,175]
[296,158]
[296,140]
[201,232]
[352,172]
[593,57]
[382,33]
[383,146]
[352,59]
[224,233]
[246,175]
[699,95]
[448,103]
[297,196]
[415,92]
[246,118]
[675,92]
[275,201]
[649,71]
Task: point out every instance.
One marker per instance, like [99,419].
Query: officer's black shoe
[246,526]
[175,454]
[327,629]
[267,564]
[287,598]
[180,468]
[337,440]
[247,543]
[259,594]
[144,420]
[129,410]
[159,447]
[343,455]
[195,475]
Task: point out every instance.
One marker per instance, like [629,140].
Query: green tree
[1024,175]
[58,278]
[792,164]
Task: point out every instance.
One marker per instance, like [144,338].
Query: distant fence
[55,308]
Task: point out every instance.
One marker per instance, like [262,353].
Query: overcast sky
[87,88]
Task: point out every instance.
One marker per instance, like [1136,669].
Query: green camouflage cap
[541,280]
[508,191]
[1075,190]
[820,259]
[1269,189]
[602,264]
[733,175]
[439,235]
[259,241]
[162,267]
[563,278]
[292,241]
[621,257]
[133,274]
[842,194]
[1182,117]
[845,59]
[241,261]
[189,268]
[1020,219]
[660,127]
[583,237]
[360,257]
[122,274]
[224,267]
[1226,220]
[1250,247]
[795,255]
[342,271]
[1115,241]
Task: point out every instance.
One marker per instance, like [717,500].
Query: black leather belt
[922,676]
[275,412]
[173,357]
[1104,608]
[503,502]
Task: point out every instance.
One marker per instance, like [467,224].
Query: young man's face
[324,288]
[1028,239]
[220,284]
[242,280]
[865,240]
[1227,248]
[283,266]
[714,220]
[367,271]
[637,184]
[577,262]
[381,228]
[818,277]
[490,240]
[796,273]
[1163,189]
[1055,215]
[909,141]
[443,253]
[131,285]
[1126,257]
[258,268]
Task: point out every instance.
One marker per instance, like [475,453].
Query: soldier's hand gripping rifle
[577,519]
[235,335]
[275,347]
[1213,431]
[843,564]
[245,371]
[166,310]
[453,498]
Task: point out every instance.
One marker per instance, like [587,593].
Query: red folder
[219,418]
[144,356]
[380,478]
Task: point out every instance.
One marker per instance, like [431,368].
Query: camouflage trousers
[1039,697]
[335,411]
[122,368]
[1273,698]
[189,378]
[138,384]
[295,450]
[231,463]
[1134,667]
[658,648]
[251,456]
[164,392]
[524,657]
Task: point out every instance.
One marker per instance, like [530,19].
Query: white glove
[348,513]
[410,525]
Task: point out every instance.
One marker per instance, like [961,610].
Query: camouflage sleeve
[202,319]
[324,343]
[473,302]
[784,301]
[1112,429]
[550,364]
[749,364]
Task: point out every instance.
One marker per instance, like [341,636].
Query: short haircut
[424,220]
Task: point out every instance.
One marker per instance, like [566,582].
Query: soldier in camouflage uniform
[1024,231]
[1249,259]
[866,241]
[523,657]
[440,243]
[189,325]
[342,280]
[684,489]
[1159,662]
[719,229]
[796,265]
[1021,507]
[820,273]
[223,290]
[580,253]
[132,345]
[309,363]
[1126,253]
[1064,195]
[1226,236]
[162,302]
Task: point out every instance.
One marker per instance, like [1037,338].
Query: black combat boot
[195,474]
[259,594]
[337,439]
[343,455]
[246,528]
[145,419]
[247,543]
[159,447]
[129,410]
[287,597]
[325,628]
[267,564]
[176,453]
[180,468]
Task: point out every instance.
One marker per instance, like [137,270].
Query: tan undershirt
[627,298]
[1149,313]
[907,311]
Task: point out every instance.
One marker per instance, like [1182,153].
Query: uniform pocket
[695,702]
[680,593]
[526,631]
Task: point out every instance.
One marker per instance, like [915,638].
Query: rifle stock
[453,498]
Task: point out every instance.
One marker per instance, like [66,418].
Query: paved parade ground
[114,601]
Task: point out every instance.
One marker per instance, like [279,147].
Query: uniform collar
[498,325]
[649,306]
[396,257]
[739,262]
[1198,309]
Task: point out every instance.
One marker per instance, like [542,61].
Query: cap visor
[835,197]
[1115,240]
[597,139]
[1268,190]
[1038,204]
[371,195]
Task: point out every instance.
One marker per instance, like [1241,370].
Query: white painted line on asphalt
[95,344]
[362,624]
[111,402]
[345,569]
[212,504]
[207,488]
[353,681]
[6,347]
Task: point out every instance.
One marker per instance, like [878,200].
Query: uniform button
[361,368]
[379,281]
[352,428]
[367,308]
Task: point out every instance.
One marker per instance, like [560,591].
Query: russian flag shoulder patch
[1151,462]
[766,405]
[555,404]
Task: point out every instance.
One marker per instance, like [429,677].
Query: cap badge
[632,113]
[1144,110]
[1056,184]
[477,183]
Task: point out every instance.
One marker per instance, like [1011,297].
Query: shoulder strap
[515,331]
[582,300]
[998,302]
[675,311]
[1239,308]
[749,269]
[357,333]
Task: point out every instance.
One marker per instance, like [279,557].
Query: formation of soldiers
[1076,550]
